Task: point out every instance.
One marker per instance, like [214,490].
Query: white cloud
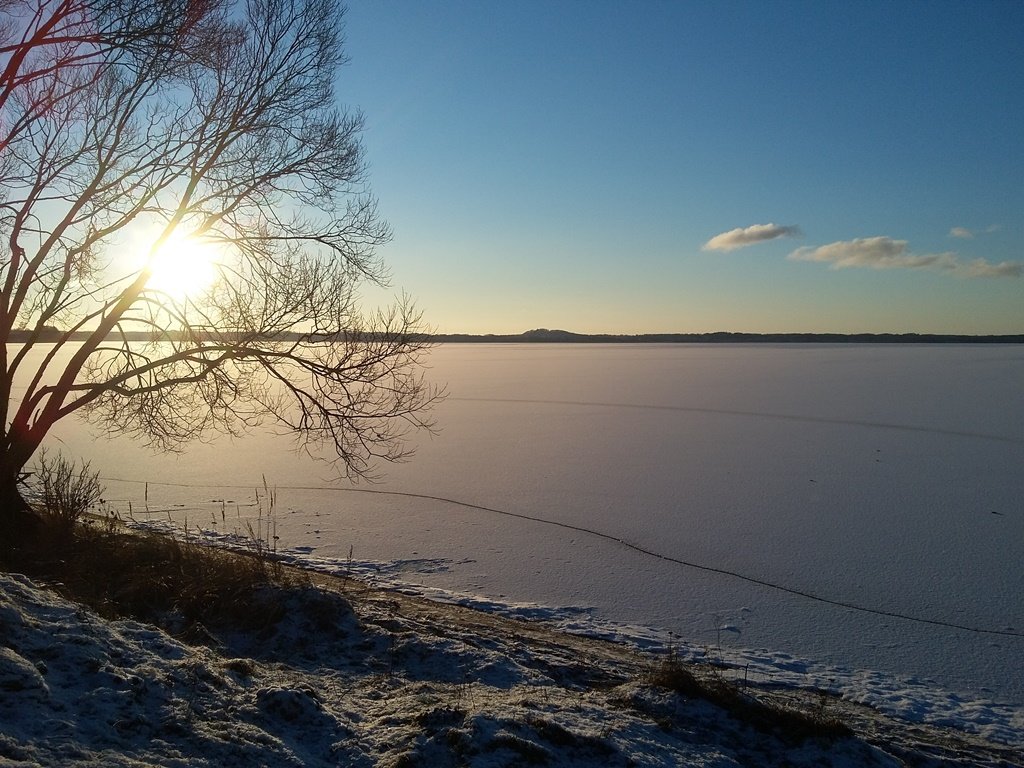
[887,253]
[873,252]
[744,236]
[983,268]
[963,233]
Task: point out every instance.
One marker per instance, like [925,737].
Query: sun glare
[183,267]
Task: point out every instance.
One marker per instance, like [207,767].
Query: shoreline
[351,674]
[898,696]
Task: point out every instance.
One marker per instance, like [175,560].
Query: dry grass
[146,576]
[188,588]
[791,725]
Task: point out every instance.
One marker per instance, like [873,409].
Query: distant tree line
[546,336]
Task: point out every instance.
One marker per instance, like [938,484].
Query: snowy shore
[348,674]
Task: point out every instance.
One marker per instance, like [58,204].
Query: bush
[62,493]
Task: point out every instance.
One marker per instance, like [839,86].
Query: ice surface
[884,476]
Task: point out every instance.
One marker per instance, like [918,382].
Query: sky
[609,167]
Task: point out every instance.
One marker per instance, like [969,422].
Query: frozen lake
[889,477]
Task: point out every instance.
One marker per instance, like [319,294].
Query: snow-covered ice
[887,477]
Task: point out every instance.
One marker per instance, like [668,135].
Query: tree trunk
[17,519]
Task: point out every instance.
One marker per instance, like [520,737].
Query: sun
[183,267]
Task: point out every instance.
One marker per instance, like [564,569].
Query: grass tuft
[181,586]
[792,725]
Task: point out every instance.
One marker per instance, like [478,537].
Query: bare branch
[129,127]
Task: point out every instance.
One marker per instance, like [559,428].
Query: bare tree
[144,121]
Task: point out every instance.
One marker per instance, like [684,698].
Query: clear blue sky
[573,164]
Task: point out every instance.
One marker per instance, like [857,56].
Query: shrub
[62,492]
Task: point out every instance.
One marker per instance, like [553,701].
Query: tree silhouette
[128,125]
